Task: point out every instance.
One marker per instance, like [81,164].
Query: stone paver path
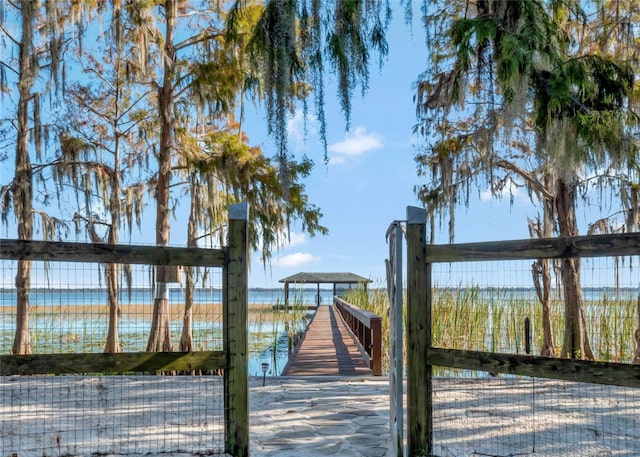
[320,417]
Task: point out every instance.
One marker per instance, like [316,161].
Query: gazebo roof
[325,278]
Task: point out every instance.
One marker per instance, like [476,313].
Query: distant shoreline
[172,287]
[202,311]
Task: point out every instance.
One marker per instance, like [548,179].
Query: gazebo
[341,282]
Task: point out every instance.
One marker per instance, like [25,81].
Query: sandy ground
[182,416]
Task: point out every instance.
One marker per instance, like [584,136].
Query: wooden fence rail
[61,251]
[606,373]
[125,362]
[367,327]
[618,244]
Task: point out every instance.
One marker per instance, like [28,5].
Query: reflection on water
[268,335]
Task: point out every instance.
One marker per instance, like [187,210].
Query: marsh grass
[273,333]
[493,320]
[463,318]
[82,328]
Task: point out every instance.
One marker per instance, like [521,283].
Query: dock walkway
[327,349]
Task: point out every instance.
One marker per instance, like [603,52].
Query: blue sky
[369,180]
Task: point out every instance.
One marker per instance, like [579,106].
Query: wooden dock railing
[367,327]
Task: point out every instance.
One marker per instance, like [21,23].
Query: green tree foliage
[296,42]
[103,152]
[520,95]
[197,77]
[223,169]
[163,80]
[35,35]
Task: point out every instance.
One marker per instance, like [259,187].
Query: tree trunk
[636,357]
[186,339]
[113,339]
[22,198]
[111,270]
[160,336]
[576,341]
[548,346]
[22,340]
[542,283]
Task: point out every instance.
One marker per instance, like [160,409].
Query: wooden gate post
[235,297]
[419,389]
[396,340]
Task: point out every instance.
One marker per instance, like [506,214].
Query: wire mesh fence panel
[482,306]
[69,308]
[105,415]
[511,416]
[72,311]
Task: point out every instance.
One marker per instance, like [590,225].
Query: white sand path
[180,416]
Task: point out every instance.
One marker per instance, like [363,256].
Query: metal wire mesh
[482,306]
[511,416]
[104,413]
[123,415]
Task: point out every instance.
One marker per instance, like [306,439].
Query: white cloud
[296,128]
[291,239]
[486,195]
[337,160]
[356,143]
[295,239]
[507,192]
[295,260]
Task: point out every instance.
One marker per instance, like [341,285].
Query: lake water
[268,338]
[302,296]
[80,332]
[49,296]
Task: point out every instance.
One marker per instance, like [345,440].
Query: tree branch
[10,68]
[6,32]
[199,38]
[527,176]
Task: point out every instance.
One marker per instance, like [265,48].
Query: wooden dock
[328,348]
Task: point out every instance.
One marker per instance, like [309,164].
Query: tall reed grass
[493,320]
